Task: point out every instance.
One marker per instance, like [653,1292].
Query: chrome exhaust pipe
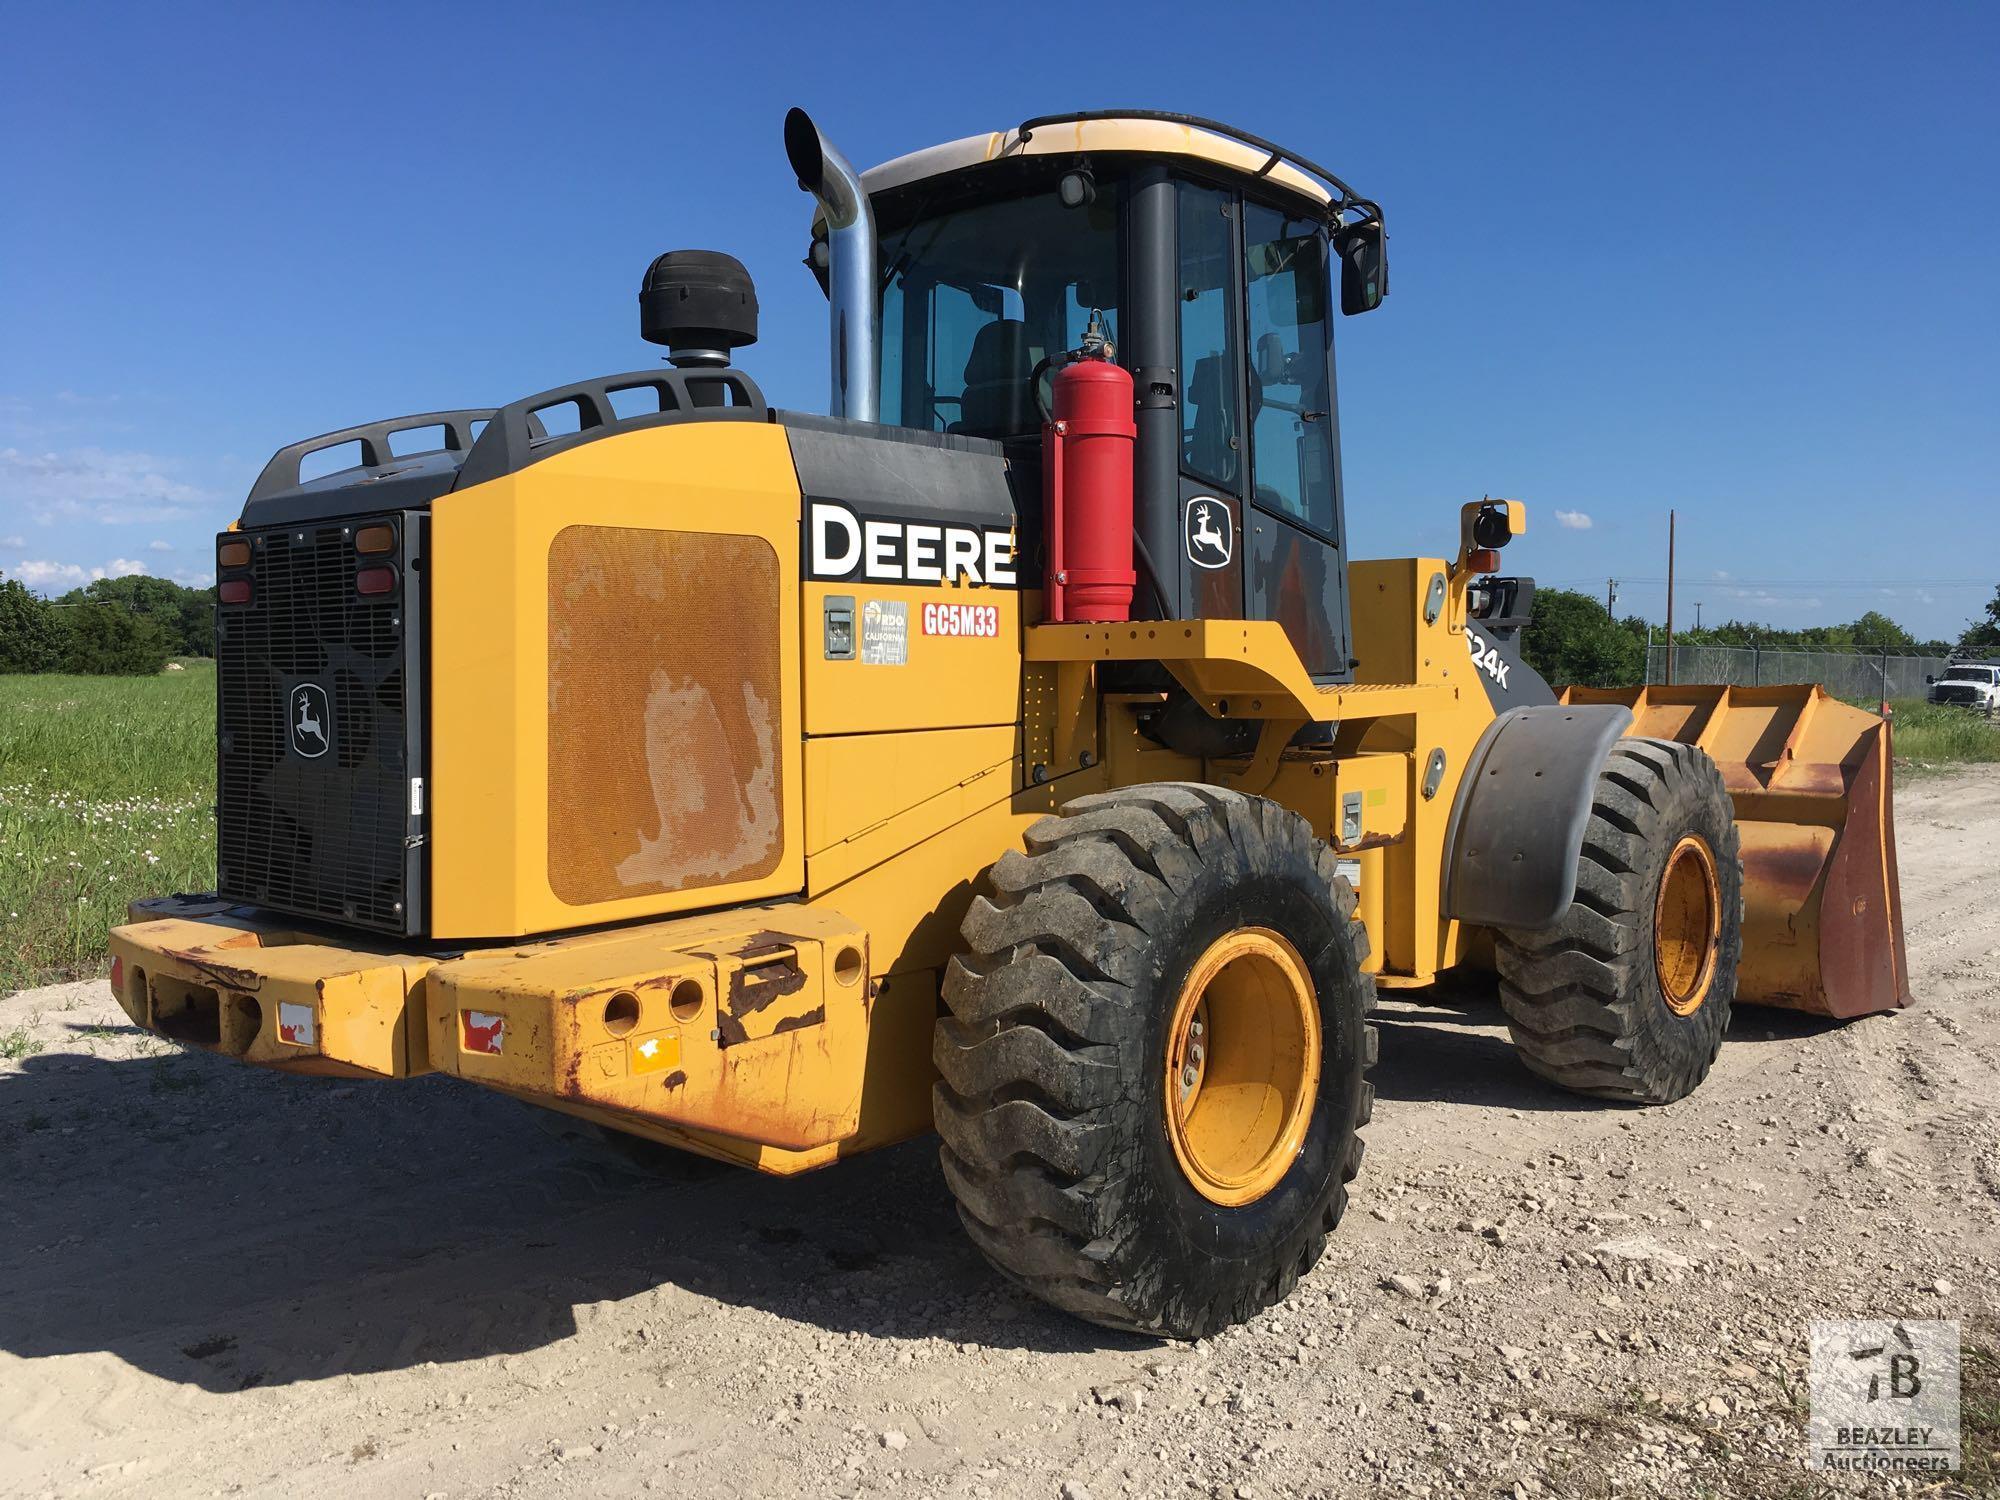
[854,314]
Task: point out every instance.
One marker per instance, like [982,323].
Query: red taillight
[375,539]
[233,554]
[234,591]
[375,581]
[117,975]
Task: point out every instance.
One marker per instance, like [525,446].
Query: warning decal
[483,1031]
[656,1053]
[885,633]
[961,619]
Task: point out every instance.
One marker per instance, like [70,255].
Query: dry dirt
[219,1281]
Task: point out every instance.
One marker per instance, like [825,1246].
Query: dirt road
[218,1281]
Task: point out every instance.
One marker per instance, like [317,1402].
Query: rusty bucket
[1810,777]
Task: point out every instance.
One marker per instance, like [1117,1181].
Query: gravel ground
[220,1281]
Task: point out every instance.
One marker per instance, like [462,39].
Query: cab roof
[1135,132]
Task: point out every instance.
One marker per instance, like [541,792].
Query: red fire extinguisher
[1087,485]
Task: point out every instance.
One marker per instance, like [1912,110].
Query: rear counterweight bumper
[749,1025]
[207,976]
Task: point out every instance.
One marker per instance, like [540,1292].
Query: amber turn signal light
[375,539]
[234,591]
[233,554]
[375,581]
[1482,560]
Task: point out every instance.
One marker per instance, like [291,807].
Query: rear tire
[1620,999]
[1073,1172]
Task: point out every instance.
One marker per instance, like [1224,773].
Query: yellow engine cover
[615,716]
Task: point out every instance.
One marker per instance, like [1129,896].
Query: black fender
[1517,824]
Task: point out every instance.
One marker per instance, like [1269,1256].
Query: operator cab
[1207,255]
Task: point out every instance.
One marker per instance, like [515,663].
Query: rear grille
[319,700]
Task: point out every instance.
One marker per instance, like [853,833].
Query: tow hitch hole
[686,1001]
[187,1012]
[621,1013]
[847,965]
[246,1019]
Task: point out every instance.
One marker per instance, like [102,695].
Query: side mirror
[1364,266]
[1929,678]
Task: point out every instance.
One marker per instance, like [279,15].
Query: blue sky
[1740,260]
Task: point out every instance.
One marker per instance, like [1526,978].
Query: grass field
[1929,736]
[106,785]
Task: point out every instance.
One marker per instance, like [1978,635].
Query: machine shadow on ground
[227,1228]
[1449,1044]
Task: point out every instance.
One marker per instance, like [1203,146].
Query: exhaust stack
[850,237]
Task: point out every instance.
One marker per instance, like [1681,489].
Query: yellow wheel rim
[1687,926]
[1242,1066]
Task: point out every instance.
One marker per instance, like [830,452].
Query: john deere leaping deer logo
[312,730]
[1210,533]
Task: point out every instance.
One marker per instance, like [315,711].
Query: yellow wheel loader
[776,786]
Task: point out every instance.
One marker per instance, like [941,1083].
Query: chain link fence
[1845,674]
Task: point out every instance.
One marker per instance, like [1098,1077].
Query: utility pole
[1611,597]
[1697,614]
[1670,598]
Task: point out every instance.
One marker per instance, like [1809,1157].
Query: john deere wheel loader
[1015,752]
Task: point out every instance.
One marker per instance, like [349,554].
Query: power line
[1725,584]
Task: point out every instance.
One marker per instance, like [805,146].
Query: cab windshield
[1968,674]
[975,298]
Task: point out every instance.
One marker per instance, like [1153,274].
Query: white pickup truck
[1969,684]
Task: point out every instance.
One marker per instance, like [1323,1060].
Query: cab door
[1295,568]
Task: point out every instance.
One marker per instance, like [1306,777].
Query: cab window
[1291,400]
[975,298]
[1211,396]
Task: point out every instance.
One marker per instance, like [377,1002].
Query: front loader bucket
[1810,777]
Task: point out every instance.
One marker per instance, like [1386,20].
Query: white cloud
[1572,520]
[1764,599]
[194,580]
[96,484]
[1721,575]
[13,541]
[159,546]
[38,573]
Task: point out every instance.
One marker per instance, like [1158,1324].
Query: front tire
[1153,1072]
[1628,995]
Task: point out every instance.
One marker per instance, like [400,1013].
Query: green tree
[31,636]
[1740,633]
[1982,637]
[1570,640]
[1877,631]
[197,621]
[185,616]
[101,639]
